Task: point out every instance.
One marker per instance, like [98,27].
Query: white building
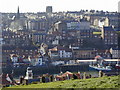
[55,42]
[14,58]
[29,74]
[1,41]
[58,63]
[115,53]
[65,54]
[103,22]
[39,60]
[60,52]
[73,25]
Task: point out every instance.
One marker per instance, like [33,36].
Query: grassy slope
[104,82]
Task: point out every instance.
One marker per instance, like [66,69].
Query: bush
[34,82]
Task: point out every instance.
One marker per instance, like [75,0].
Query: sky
[58,5]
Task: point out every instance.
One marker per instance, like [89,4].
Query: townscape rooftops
[85,49]
[60,48]
[115,48]
[68,21]
[83,20]
[29,48]
[22,48]
[39,20]
[14,55]
[102,19]
[39,34]
[56,33]
[108,28]
[8,47]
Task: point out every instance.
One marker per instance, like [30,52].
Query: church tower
[18,14]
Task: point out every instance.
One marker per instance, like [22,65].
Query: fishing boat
[100,68]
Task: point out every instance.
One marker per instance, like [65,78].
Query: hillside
[103,82]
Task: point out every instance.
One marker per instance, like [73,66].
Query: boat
[100,68]
[117,65]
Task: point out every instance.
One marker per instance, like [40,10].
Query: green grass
[103,82]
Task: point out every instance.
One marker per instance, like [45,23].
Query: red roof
[14,55]
[4,80]
[58,48]
[98,56]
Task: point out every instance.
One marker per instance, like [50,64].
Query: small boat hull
[98,68]
[118,67]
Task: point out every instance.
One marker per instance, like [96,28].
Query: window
[111,34]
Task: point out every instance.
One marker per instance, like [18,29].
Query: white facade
[39,61]
[29,74]
[71,62]
[58,62]
[104,22]
[73,25]
[115,53]
[1,41]
[60,53]
[73,47]
[96,22]
[14,58]
[64,54]
[101,24]
[55,42]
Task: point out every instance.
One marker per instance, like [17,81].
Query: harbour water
[54,70]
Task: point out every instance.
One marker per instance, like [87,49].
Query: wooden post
[100,73]
[84,75]
[21,80]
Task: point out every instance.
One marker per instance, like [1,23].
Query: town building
[60,53]
[39,37]
[115,52]
[38,24]
[109,36]
[29,74]
[83,53]
[84,24]
[103,22]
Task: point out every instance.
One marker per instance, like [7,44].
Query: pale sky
[58,5]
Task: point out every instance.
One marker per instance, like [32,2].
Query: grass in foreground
[103,82]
